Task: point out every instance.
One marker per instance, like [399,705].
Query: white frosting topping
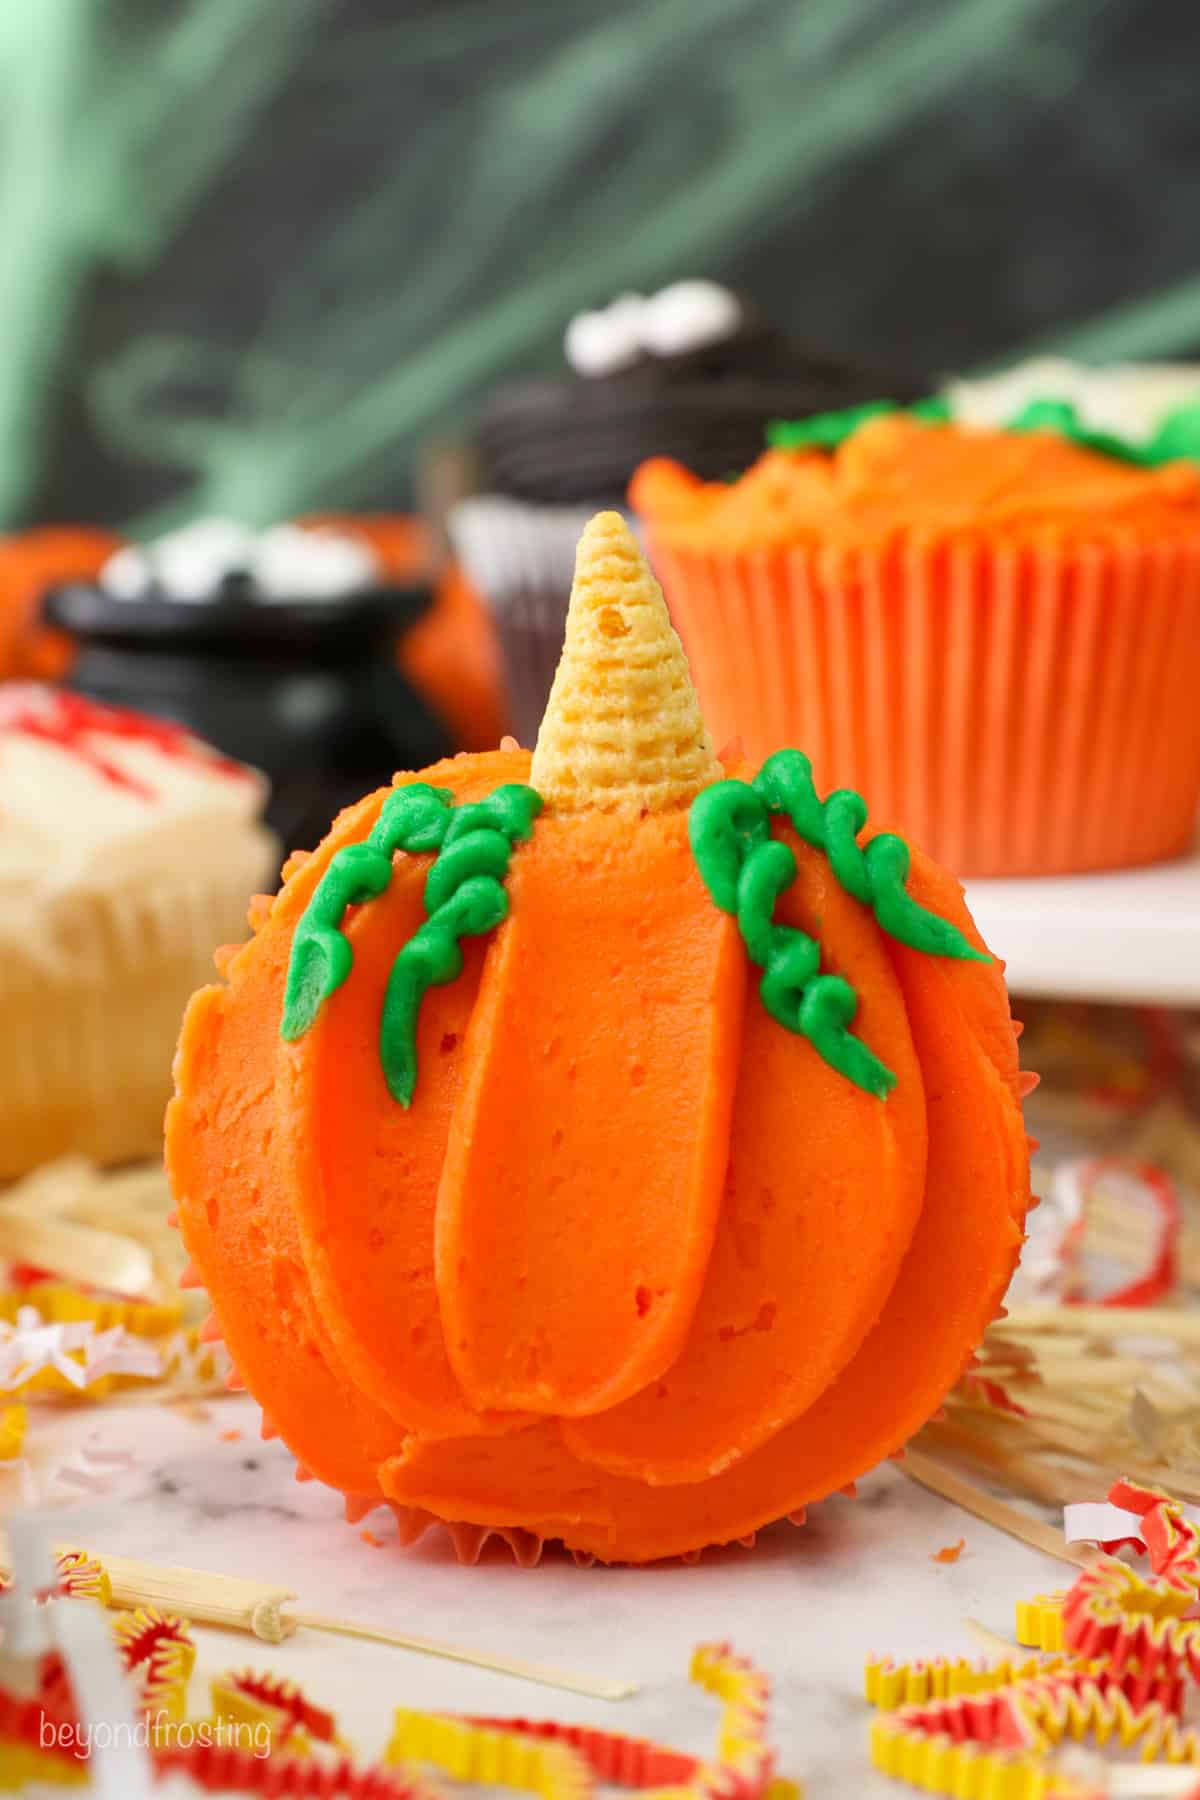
[92,804]
[606,341]
[293,563]
[1128,399]
[287,562]
[687,315]
[683,317]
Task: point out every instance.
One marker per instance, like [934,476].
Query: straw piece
[1052,1409]
[1102,1321]
[595,1687]
[622,730]
[1019,1471]
[105,1228]
[77,1252]
[1083,1374]
[203,1598]
[990,1642]
[1059,1404]
[236,1604]
[940,1480]
[1159,1783]
[1083,1452]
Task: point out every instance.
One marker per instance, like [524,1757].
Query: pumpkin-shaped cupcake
[615,1145]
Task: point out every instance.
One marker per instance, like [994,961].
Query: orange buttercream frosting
[905,478]
[632,1261]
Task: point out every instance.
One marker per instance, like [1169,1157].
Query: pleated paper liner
[521,560]
[530,631]
[1015,710]
[91,1014]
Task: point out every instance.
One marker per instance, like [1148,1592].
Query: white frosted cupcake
[1130,401]
[128,850]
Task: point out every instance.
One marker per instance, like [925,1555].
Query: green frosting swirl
[465,896]
[413,818]
[1176,439]
[1061,416]
[826,431]
[875,875]
[745,870]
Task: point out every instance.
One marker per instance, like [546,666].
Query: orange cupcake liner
[1016,710]
[31,562]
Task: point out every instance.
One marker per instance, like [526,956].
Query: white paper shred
[30,1344]
[1099,1522]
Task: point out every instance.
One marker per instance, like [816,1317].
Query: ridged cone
[622,730]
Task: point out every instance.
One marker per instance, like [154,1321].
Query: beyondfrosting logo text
[155,1730]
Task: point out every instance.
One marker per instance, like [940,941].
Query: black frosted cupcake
[692,373]
[276,646]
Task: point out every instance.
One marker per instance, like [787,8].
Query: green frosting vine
[413,818]
[464,897]
[826,431]
[745,870]
[875,875]
[1061,416]
[1176,439]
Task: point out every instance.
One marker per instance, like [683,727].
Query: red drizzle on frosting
[71,722]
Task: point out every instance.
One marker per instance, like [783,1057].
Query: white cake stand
[1131,936]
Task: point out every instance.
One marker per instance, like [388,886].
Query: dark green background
[253,252]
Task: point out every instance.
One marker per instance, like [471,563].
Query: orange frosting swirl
[904,479]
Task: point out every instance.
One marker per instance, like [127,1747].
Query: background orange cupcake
[31,562]
[995,635]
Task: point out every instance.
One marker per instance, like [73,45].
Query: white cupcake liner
[91,999]
[521,560]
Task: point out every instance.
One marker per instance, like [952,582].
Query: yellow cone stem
[622,730]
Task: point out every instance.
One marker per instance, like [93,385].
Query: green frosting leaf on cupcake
[1176,439]
[826,431]
[1062,416]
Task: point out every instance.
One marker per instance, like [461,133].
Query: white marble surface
[807,1605]
[1130,935]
